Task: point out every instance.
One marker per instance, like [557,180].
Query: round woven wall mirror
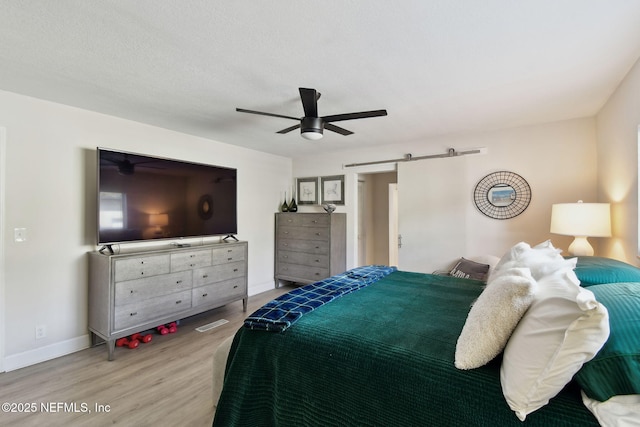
[502,195]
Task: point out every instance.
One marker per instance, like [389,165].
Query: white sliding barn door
[432,204]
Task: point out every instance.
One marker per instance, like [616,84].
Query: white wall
[617,130]
[50,190]
[558,160]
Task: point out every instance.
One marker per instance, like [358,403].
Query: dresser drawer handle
[131,291]
[142,273]
[317,234]
[178,282]
[235,269]
[192,265]
[317,247]
[235,286]
[317,260]
[315,221]
[317,274]
[179,301]
[191,256]
[135,313]
[229,250]
[204,295]
[229,259]
[204,276]
[141,262]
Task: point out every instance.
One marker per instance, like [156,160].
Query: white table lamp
[581,220]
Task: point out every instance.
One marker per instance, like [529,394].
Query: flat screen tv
[144,198]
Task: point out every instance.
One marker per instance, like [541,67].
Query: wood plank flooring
[167,382]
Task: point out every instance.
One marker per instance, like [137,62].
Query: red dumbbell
[126,342]
[172,327]
[162,330]
[142,338]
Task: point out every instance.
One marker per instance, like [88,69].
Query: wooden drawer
[129,315]
[312,260]
[132,291]
[304,233]
[302,272]
[218,273]
[306,246]
[226,289]
[135,268]
[306,220]
[228,254]
[188,260]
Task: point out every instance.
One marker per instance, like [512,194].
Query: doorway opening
[377,218]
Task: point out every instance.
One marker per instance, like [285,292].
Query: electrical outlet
[41,331]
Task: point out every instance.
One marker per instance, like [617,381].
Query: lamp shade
[581,219]
[159,220]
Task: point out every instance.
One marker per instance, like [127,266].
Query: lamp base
[581,247]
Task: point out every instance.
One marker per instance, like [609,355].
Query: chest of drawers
[133,292]
[309,246]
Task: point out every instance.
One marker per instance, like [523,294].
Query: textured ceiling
[437,66]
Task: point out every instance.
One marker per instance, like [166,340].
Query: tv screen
[144,198]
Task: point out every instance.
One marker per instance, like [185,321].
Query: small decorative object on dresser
[137,291]
[329,207]
[309,246]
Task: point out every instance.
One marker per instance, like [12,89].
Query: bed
[382,349]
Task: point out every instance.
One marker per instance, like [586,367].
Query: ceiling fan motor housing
[311,124]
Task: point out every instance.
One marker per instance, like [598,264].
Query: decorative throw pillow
[468,269]
[564,328]
[493,317]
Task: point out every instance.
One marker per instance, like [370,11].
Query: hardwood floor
[167,382]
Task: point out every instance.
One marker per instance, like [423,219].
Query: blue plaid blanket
[280,313]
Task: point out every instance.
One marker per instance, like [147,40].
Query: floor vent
[210,326]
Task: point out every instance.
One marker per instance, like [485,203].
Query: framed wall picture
[333,189]
[308,191]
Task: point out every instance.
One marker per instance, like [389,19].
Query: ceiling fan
[311,126]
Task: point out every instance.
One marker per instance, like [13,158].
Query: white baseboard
[52,351]
[42,354]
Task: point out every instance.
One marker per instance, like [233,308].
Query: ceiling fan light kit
[311,126]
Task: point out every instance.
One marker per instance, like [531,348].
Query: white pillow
[493,317]
[564,328]
[543,259]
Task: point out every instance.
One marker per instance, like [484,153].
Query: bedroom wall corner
[618,137]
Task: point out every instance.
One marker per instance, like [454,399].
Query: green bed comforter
[381,356]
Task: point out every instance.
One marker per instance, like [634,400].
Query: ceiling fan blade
[352,116]
[337,129]
[309,99]
[242,110]
[287,130]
